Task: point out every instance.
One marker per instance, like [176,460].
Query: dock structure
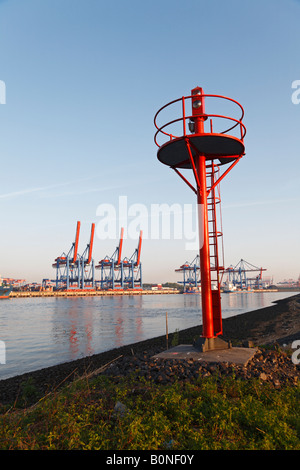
[90,293]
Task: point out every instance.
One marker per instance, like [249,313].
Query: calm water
[41,332]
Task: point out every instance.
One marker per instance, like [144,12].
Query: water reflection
[43,332]
[128,319]
[73,326]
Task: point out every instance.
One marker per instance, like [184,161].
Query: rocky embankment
[273,366]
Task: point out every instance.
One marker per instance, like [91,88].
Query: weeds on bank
[207,414]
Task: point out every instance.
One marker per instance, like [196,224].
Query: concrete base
[238,356]
[208,344]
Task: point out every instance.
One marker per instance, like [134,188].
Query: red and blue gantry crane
[132,268]
[239,277]
[88,264]
[121,273]
[191,275]
[203,142]
[75,271]
[111,268]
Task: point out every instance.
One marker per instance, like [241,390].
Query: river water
[42,332]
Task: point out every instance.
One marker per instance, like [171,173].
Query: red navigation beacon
[189,141]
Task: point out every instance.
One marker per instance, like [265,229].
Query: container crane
[75,271]
[111,267]
[132,267]
[68,266]
[191,274]
[238,277]
[87,264]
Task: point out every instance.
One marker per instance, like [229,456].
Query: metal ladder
[215,240]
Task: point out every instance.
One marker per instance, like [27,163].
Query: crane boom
[120,246]
[139,248]
[76,242]
[91,244]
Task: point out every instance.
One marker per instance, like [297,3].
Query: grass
[207,414]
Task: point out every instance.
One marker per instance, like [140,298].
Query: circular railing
[161,130]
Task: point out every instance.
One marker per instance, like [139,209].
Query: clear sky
[83,81]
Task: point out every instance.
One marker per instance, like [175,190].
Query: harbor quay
[90,293]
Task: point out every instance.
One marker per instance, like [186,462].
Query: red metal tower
[204,151]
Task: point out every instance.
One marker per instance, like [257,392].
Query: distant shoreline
[90,293]
[96,293]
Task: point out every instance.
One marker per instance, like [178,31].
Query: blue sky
[84,79]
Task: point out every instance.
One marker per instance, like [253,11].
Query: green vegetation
[211,413]
[175,338]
